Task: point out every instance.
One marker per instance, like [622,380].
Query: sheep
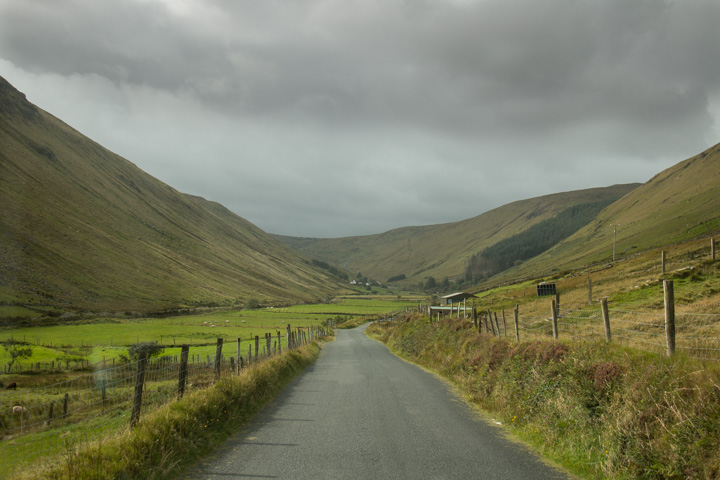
[12,386]
[21,411]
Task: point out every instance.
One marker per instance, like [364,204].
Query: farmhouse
[453,304]
[455,298]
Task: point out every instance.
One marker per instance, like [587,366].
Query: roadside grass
[599,409]
[174,436]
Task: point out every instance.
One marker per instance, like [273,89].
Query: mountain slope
[443,250]
[678,204]
[81,227]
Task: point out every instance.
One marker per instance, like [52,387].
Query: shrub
[252,304]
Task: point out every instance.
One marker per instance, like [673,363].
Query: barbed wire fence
[695,335]
[48,420]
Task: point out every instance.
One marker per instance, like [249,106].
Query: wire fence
[692,334]
[696,335]
[52,419]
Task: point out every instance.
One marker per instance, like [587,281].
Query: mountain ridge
[85,228]
[442,250]
[677,204]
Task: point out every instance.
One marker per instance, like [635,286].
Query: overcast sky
[328,118]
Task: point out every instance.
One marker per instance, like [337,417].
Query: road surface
[360,412]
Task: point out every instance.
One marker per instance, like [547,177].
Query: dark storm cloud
[361,101]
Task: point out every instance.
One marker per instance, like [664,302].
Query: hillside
[678,204]
[83,228]
[443,250]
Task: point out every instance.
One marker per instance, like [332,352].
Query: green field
[108,338]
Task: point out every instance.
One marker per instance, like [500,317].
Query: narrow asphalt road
[362,413]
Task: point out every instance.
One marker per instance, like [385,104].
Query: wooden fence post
[218,357]
[554,320]
[662,261]
[182,380]
[517,322]
[712,249]
[137,398]
[669,316]
[279,342]
[474,314]
[257,347]
[606,319]
[50,413]
[238,356]
[65,404]
[497,325]
[504,324]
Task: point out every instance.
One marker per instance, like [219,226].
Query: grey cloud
[353,100]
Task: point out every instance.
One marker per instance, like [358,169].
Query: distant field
[109,338]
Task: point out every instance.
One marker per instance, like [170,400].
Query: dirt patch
[542,351]
[605,374]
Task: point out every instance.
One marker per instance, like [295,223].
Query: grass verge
[598,409]
[170,439]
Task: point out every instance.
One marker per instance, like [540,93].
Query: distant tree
[430,283]
[136,351]
[16,350]
[445,283]
[531,242]
[330,268]
[252,304]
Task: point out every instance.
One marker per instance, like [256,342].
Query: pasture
[106,339]
[82,382]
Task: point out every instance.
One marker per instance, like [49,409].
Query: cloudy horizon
[336,118]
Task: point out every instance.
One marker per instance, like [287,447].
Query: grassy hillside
[676,205]
[443,250]
[82,228]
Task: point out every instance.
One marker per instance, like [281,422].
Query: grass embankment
[598,409]
[173,437]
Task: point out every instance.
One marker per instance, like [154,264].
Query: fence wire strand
[696,335]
